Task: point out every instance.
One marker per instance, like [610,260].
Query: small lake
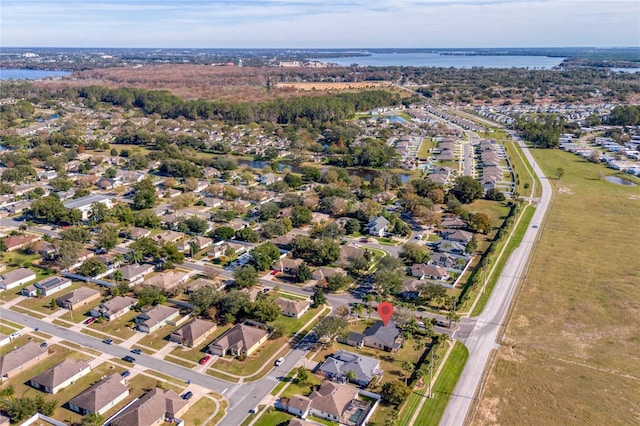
[19,74]
[366,175]
[619,181]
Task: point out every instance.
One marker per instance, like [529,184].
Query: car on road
[125,373]
[254,410]
[89,320]
[187,395]
[364,240]
[441,323]
[535,226]
[136,351]
[279,361]
[108,341]
[205,359]
[43,344]
[128,358]
[274,272]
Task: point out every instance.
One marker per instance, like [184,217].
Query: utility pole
[430,373]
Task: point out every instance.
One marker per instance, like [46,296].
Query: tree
[121,288]
[68,253]
[294,181]
[234,306]
[245,276]
[108,238]
[338,282]
[304,274]
[204,298]
[408,368]
[172,253]
[76,233]
[472,245]
[223,233]
[300,216]
[92,267]
[149,296]
[481,222]
[265,309]
[352,226]
[453,317]
[248,235]
[264,255]
[414,253]
[319,298]
[331,326]
[145,196]
[302,375]
[467,189]
[93,419]
[268,211]
[395,392]
[559,173]
[351,376]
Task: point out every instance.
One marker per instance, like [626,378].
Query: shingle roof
[100,394]
[333,398]
[17,357]
[364,367]
[193,330]
[60,373]
[153,405]
[240,336]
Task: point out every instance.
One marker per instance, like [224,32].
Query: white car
[279,361]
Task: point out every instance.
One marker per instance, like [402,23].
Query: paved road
[481,340]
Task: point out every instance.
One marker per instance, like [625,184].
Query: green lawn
[117,327]
[425,147]
[273,417]
[196,353]
[158,339]
[199,412]
[296,388]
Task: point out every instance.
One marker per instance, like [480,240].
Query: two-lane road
[482,338]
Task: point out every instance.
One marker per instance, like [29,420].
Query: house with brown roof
[322,273]
[202,282]
[60,376]
[331,401]
[152,409]
[135,232]
[16,278]
[349,252]
[220,248]
[300,422]
[241,339]
[78,298]
[293,308]
[114,308]
[21,359]
[193,333]
[431,272]
[155,318]
[17,242]
[101,396]
[166,280]
[288,266]
[169,236]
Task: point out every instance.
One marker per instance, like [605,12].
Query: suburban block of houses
[239,340]
[60,376]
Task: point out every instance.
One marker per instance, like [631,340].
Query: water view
[456,61]
[20,74]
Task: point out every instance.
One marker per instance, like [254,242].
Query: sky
[319,23]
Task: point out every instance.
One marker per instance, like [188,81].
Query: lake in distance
[19,74]
[423,59]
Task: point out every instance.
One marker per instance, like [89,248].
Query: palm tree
[351,376]
[92,419]
[117,276]
[358,309]
[453,316]
[408,367]
[118,258]
[418,346]
[135,256]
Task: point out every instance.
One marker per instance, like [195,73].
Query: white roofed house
[84,203]
[378,226]
[16,278]
[47,287]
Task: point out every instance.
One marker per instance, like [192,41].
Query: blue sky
[319,23]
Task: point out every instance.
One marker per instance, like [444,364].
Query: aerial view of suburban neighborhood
[307,237]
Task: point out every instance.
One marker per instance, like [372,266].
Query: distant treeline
[626,115]
[282,111]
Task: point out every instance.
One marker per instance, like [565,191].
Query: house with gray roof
[60,375]
[378,336]
[101,396]
[378,226]
[337,366]
[155,318]
[21,359]
[78,298]
[153,408]
[193,333]
[241,339]
[136,272]
[16,278]
[114,308]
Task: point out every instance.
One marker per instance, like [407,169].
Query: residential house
[199,242]
[84,203]
[287,266]
[269,178]
[155,318]
[337,366]
[452,247]
[457,235]
[430,272]
[78,298]
[384,197]
[47,287]
[169,236]
[320,218]
[166,281]
[447,260]
[21,358]
[378,226]
[153,408]
[108,183]
[452,222]
[220,249]
[378,336]
[44,249]
[212,202]
[101,396]
[411,288]
[292,422]
[4,339]
[331,401]
[114,308]
[19,206]
[293,308]
[202,282]
[135,273]
[60,376]
[135,232]
[322,273]
[283,241]
[349,252]
[17,242]
[16,278]
[241,339]
[193,333]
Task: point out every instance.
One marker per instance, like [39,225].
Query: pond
[619,181]
[366,175]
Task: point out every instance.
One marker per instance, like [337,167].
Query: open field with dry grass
[570,352]
[330,86]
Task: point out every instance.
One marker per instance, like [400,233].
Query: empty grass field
[569,355]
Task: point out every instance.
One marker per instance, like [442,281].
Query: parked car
[89,320]
[126,373]
[136,351]
[205,359]
[43,344]
[254,410]
[187,395]
[364,240]
[128,358]
[108,341]
[279,361]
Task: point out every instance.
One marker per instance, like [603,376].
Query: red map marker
[385,310]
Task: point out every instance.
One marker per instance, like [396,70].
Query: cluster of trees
[21,408]
[50,209]
[315,252]
[234,306]
[541,132]
[625,115]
